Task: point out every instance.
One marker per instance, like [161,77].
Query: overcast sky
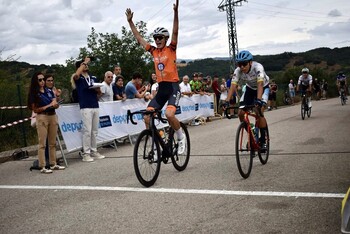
[51,31]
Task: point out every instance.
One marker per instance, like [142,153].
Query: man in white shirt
[107,90]
[185,87]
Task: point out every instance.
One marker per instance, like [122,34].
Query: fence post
[21,111]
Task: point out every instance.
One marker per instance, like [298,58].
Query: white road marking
[174,190]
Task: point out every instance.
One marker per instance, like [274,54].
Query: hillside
[330,60]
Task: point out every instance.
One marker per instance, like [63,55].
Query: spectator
[272,95]
[116,72]
[324,88]
[216,88]
[195,84]
[223,94]
[130,88]
[43,102]
[185,87]
[154,85]
[89,109]
[206,86]
[106,93]
[119,89]
[291,88]
[49,83]
[233,98]
[317,89]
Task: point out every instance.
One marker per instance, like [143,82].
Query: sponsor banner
[113,118]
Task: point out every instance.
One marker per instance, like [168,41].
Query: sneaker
[45,171]
[57,167]
[97,155]
[181,145]
[263,147]
[87,158]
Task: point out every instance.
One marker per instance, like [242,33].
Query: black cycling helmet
[244,56]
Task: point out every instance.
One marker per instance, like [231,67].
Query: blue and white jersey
[251,79]
[306,81]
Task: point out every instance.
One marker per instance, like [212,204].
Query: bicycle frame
[155,114]
[247,113]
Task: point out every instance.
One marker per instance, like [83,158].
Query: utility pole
[229,6]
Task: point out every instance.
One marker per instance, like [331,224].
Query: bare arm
[81,68]
[175,34]
[129,14]
[260,89]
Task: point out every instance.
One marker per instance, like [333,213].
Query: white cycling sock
[179,134]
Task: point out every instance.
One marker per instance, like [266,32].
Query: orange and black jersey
[165,62]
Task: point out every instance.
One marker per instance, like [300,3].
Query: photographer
[89,108]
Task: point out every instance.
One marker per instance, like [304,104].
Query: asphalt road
[299,190]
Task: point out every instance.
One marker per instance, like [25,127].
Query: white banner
[113,117]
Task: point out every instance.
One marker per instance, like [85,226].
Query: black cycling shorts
[167,92]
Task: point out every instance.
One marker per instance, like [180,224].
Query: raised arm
[129,14]
[176,22]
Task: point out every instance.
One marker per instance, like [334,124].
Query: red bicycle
[249,141]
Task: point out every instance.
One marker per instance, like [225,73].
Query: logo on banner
[212,105]
[178,110]
[196,107]
[105,121]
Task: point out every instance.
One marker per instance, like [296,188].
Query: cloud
[334,13]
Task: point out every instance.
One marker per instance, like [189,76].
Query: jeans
[90,117]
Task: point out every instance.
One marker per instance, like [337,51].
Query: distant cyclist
[305,83]
[164,58]
[341,83]
[257,89]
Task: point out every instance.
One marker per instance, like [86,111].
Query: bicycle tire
[180,162]
[244,154]
[264,154]
[342,99]
[227,113]
[309,112]
[146,168]
[303,111]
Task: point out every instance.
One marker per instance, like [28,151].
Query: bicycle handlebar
[157,114]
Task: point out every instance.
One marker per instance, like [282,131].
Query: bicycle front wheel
[303,110]
[146,159]
[244,153]
[180,161]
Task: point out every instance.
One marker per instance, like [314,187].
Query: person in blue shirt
[89,109]
[119,89]
[130,88]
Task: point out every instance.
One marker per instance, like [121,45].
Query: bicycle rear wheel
[244,153]
[265,152]
[147,159]
[180,161]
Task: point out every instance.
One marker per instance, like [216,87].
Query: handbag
[33,119]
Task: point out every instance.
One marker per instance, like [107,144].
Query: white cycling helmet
[305,69]
[160,31]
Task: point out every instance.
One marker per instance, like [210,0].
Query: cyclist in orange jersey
[164,58]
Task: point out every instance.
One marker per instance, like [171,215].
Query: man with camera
[89,108]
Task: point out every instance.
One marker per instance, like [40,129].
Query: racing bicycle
[342,96]
[249,142]
[305,106]
[154,146]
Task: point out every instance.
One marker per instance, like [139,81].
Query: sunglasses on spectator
[41,79]
[158,37]
[109,76]
[49,80]
[240,64]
